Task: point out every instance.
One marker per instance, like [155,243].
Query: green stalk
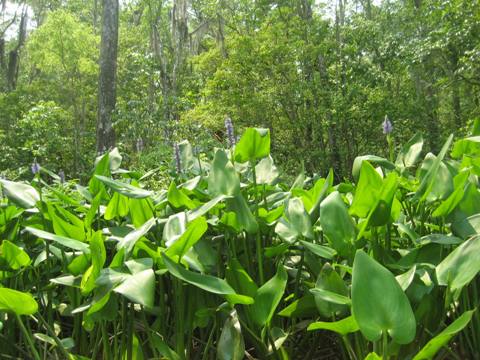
[106,345]
[258,238]
[210,340]
[385,345]
[54,336]
[180,330]
[28,338]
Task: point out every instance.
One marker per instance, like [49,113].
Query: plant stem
[258,238]
[28,338]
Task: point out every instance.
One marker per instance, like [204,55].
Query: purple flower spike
[387,126]
[35,167]
[230,131]
[176,154]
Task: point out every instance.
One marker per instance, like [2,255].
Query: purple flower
[230,131]
[35,167]
[61,175]
[387,126]
[176,155]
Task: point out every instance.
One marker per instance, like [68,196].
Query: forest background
[322,75]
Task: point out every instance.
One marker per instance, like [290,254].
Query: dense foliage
[231,262]
[321,75]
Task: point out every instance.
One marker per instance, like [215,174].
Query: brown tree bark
[107,77]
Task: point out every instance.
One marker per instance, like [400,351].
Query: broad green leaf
[128,242]
[460,266]
[330,292]
[303,307]
[266,171]
[378,302]
[223,178]
[125,189]
[117,206]
[254,144]
[99,256]
[468,146]
[139,288]
[20,303]
[330,296]
[203,209]
[442,339]
[206,282]
[367,191]
[62,240]
[141,210]
[15,257]
[64,228]
[467,227]
[410,152]
[337,224]
[163,348]
[231,345]
[357,164]
[342,327]
[319,250]
[406,278]
[268,297]
[244,217]
[373,356]
[430,177]
[450,203]
[23,195]
[239,279]
[178,199]
[190,237]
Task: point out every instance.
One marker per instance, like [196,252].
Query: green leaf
[117,206]
[128,242]
[330,292]
[410,152]
[266,171]
[99,256]
[460,266]
[367,191]
[244,217]
[178,199]
[430,177]
[15,257]
[67,242]
[23,195]
[303,307]
[203,209]
[206,282]
[268,297]
[223,178]
[466,146]
[373,356]
[231,345]
[141,210]
[190,237]
[357,164]
[125,189]
[337,224]
[442,339]
[319,250]
[139,288]
[254,144]
[20,303]
[342,327]
[378,302]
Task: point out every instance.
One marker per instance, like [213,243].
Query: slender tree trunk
[107,78]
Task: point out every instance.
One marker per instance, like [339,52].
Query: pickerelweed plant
[229,262]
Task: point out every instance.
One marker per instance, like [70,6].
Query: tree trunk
[107,77]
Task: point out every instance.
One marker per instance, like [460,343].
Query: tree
[107,77]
